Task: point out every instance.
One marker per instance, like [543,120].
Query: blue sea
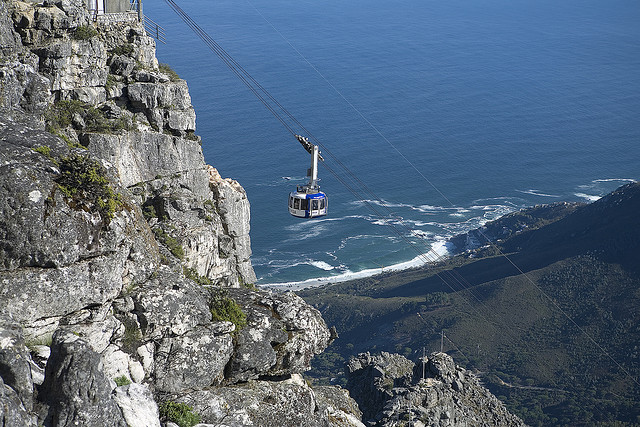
[448,113]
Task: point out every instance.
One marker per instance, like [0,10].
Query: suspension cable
[353,184]
[493,244]
[289,121]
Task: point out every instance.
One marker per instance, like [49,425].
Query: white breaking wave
[615,180]
[439,249]
[588,197]
[422,234]
[420,208]
[536,193]
[321,265]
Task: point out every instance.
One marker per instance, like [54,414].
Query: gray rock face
[137,404]
[12,412]
[78,393]
[114,237]
[372,377]
[20,84]
[287,403]
[9,39]
[190,350]
[166,106]
[51,251]
[33,233]
[116,70]
[388,387]
[337,406]
[15,368]
[282,336]
[171,305]
[143,156]
[194,360]
[21,87]
[233,205]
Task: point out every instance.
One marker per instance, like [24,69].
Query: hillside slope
[552,327]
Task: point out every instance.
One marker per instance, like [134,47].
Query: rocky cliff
[393,391]
[126,284]
[126,288]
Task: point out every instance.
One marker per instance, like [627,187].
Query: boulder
[15,362]
[196,359]
[170,305]
[12,411]
[138,406]
[282,334]
[75,388]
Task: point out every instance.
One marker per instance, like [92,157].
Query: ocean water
[451,113]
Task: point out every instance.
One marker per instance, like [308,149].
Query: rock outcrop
[288,403]
[125,273]
[391,391]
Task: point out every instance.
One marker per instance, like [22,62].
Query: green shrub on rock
[191,273]
[124,49]
[166,69]
[84,32]
[225,309]
[179,413]
[84,180]
[60,115]
[170,242]
[122,380]
[82,116]
[44,150]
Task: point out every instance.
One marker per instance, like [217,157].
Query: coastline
[439,249]
[468,242]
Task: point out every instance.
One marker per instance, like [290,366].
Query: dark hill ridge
[609,228]
[558,343]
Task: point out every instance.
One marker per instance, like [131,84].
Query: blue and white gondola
[308,201]
[307,205]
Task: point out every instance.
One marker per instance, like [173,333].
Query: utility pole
[442,342]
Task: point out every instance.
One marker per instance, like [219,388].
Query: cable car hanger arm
[307,145]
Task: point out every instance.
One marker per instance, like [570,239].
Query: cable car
[308,201]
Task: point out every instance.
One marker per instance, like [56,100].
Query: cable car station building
[115,10]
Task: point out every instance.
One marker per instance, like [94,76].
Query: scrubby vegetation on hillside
[558,344]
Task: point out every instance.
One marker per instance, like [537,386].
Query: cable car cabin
[308,201]
[307,205]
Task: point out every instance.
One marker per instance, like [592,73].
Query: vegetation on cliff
[83,181]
